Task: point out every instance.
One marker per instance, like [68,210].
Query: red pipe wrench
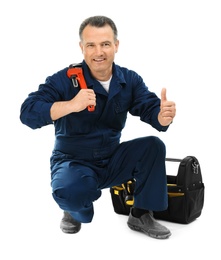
[75,73]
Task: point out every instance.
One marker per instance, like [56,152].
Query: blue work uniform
[88,155]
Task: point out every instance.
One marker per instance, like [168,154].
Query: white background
[172,44]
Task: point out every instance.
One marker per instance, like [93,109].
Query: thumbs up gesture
[167,110]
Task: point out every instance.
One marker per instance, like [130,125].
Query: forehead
[97,34]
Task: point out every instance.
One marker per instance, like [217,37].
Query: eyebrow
[99,43]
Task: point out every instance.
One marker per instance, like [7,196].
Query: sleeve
[146,104]
[35,110]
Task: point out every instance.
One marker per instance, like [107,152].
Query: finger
[163,95]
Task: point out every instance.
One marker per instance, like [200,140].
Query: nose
[98,50]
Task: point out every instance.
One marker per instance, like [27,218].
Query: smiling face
[99,46]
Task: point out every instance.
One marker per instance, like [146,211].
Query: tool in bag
[185,193]
[75,73]
[122,197]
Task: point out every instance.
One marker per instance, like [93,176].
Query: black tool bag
[185,193]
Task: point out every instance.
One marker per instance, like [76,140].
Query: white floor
[172,44]
[30,230]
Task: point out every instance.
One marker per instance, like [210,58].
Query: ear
[117,46]
[81,46]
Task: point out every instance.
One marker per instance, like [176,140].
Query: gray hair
[98,21]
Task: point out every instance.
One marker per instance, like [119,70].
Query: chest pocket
[120,113]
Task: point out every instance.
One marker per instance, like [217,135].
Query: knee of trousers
[75,195]
[153,151]
[154,143]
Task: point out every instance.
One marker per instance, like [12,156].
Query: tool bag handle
[173,160]
[189,172]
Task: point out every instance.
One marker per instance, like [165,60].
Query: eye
[106,44]
[90,45]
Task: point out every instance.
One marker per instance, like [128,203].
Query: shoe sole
[68,231]
[139,229]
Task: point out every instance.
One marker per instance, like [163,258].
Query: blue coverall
[88,155]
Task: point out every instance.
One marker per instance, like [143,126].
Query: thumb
[163,95]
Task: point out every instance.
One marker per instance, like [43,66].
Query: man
[88,155]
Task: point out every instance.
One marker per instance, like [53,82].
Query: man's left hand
[167,110]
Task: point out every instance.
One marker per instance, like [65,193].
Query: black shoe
[148,225]
[69,225]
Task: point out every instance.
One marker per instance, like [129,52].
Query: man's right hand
[84,98]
